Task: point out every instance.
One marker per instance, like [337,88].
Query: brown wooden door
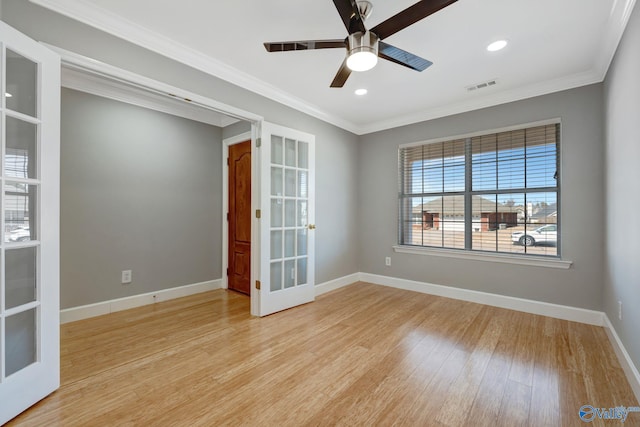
[239,270]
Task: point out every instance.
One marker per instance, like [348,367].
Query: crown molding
[485,101]
[111,23]
[618,20]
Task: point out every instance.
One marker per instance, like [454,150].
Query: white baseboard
[557,311]
[98,309]
[630,370]
[338,283]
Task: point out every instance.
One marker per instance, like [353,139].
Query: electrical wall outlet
[387,261]
[126,277]
[620,310]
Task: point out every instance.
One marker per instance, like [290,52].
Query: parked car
[546,234]
[20,234]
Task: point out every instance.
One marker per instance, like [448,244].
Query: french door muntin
[287,224]
[29,218]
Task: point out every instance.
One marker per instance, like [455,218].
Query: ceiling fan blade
[402,57]
[343,74]
[305,45]
[350,14]
[409,16]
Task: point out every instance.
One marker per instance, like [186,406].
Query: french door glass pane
[290,152]
[276,244]
[20,210]
[303,155]
[290,213]
[276,212]
[302,213]
[302,271]
[276,276]
[20,157]
[20,341]
[276,181]
[289,273]
[290,182]
[277,150]
[20,276]
[303,184]
[302,241]
[21,86]
[289,243]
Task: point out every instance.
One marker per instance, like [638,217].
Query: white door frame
[81,63]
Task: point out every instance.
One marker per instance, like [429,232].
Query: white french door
[287,226]
[29,222]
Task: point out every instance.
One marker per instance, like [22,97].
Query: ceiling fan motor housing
[359,43]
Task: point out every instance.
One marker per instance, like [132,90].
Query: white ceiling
[553,45]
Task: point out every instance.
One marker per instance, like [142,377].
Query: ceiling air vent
[482,85]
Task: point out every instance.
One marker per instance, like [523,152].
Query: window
[494,193]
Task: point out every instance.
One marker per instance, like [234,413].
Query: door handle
[312,226]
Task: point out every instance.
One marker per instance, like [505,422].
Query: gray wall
[336,149]
[235,129]
[581,202]
[140,190]
[622,99]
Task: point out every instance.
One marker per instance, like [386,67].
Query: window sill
[483,256]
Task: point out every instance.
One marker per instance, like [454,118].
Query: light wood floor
[362,355]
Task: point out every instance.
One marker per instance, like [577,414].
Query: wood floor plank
[429,401]
[491,391]
[363,355]
[545,394]
[522,371]
[514,411]
[461,394]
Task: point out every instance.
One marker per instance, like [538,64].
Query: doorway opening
[101,79]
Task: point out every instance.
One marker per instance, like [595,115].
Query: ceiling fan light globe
[362,61]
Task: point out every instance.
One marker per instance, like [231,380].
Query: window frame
[468,252]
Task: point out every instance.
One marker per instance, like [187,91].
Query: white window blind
[496,192]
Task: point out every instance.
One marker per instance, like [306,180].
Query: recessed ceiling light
[497,45]
[361,92]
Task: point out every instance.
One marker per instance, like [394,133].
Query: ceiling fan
[365,46]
